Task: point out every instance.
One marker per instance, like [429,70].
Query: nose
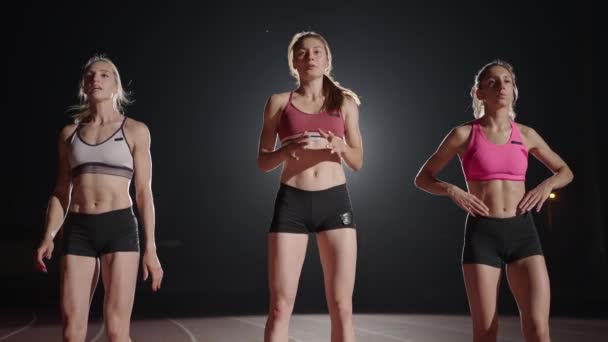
[310,56]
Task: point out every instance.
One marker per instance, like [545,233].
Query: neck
[497,118]
[312,89]
[104,112]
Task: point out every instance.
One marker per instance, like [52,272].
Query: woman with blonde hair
[99,155]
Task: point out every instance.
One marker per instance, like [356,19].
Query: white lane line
[183,327]
[24,328]
[99,333]
[291,338]
[364,330]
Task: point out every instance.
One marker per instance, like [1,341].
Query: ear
[479,94]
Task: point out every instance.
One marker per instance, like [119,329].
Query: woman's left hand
[151,265]
[334,143]
[535,197]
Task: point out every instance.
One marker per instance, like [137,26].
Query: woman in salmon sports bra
[99,155]
[499,228]
[318,129]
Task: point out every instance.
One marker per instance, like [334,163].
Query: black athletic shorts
[97,234]
[301,211]
[497,241]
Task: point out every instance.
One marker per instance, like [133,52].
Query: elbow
[62,194]
[143,198]
[566,174]
[357,166]
[418,181]
[262,166]
[570,175]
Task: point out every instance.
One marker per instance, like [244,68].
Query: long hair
[332,90]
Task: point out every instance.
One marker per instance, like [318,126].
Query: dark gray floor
[31,327]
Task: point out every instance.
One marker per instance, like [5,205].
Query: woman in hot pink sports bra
[499,229]
[317,126]
[99,155]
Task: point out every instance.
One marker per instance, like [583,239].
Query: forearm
[269,160]
[145,206]
[433,185]
[55,214]
[561,178]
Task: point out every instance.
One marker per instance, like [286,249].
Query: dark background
[201,76]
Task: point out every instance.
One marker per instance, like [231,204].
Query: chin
[98,98]
[312,74]
[504,104]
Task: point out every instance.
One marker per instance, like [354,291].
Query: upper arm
[351,123]
[272,111]
[142,159]
[454,142]
[64,175]
[541,150]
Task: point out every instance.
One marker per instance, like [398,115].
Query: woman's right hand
[44,251]
[467,201]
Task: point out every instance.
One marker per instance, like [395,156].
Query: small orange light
[552,195]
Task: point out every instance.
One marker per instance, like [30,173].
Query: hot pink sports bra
[294,122]
[483,160]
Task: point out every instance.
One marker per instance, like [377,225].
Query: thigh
[529,281]
[79,276]
[286,252]
[119,273]
[338,252]
[482,283]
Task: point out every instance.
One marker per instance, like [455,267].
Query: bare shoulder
[137,129]
[136,126]
[349,105]
[530,137]
[276,103]
[279,99]
[462,131]
[67,131]
[526,131]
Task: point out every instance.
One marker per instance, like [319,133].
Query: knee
[74,329]
[117,329]
[537,330]
[281,309]
[342,309]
